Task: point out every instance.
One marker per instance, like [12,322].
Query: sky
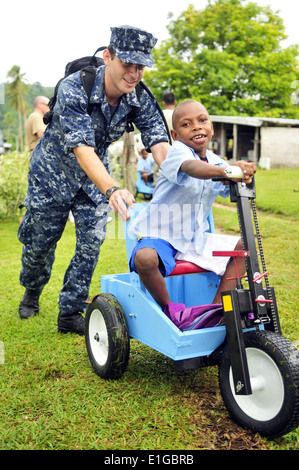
[41,37]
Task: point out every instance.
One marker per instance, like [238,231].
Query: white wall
[281,146]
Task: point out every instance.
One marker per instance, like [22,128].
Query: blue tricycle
[258,367]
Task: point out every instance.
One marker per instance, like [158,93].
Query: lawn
[278,191]
[50,399]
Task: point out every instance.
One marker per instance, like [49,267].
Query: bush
[13,183]
[14,168]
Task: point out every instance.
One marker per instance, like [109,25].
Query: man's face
[193,126]
[43,107]
[121,78]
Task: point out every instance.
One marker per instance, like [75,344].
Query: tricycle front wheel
[107,337]
[273,407]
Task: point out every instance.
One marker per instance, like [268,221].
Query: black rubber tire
[273,408]
[107,337]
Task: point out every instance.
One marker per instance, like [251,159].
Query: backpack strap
[49,114]
[159,109]
[94,60]
[88,75]
[131,115]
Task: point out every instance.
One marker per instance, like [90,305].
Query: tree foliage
[13,183]
[229,56]
[16,92]
[9,114]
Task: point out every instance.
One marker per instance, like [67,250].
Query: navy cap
[133,45]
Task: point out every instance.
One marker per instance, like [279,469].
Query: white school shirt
[181,204]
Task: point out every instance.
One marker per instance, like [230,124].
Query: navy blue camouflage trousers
[41,229]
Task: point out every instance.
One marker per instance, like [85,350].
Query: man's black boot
[30,303]
[73,323]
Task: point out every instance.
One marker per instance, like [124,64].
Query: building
[271,142]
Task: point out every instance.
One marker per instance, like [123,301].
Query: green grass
[277,191]
[51,399]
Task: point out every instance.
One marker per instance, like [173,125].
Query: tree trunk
[129,162]
[20,131]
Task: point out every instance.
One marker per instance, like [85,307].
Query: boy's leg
[147,264]
[144,177]
[230,271]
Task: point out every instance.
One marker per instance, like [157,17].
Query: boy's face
[121,78]
[193,127]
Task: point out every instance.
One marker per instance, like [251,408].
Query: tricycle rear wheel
[107,337]
[273,407]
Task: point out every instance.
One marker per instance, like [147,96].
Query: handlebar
[231,172]
[234,172]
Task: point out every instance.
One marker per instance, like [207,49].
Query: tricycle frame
[148,324]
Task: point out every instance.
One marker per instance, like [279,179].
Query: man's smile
[130,81]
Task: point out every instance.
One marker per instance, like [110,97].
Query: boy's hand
[248,168]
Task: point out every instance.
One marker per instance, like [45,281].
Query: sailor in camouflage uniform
[69,170]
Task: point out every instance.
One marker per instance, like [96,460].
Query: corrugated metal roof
[255,121]
[281,121]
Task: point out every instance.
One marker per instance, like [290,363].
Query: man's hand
[119,200]
[98,174]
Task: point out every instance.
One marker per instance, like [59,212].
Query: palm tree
[8,120]
[16,90]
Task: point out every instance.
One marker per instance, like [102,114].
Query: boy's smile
[199,139]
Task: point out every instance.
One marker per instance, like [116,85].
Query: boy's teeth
[198,137]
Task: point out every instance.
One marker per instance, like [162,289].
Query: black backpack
[88,65]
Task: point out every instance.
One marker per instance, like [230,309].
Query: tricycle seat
[186,267]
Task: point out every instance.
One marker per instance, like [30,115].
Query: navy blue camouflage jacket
[53,161]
